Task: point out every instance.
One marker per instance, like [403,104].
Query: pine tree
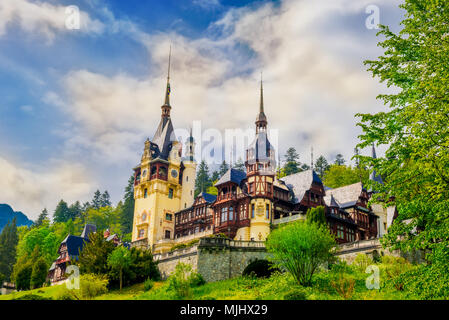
[224,167]
[96,201]
[321,165]
[339,160]
[291,162]
[127,214]
[202,178]
[62,212]
[8,247]
[42,217]
[75,210]
[105,199]
[239,165]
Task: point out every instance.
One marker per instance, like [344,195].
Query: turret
[188,173]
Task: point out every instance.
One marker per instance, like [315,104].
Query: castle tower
[158,184]
[188,173]
[260,167]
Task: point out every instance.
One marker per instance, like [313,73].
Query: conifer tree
[339,160]
[96,201]
[62,212]
[105,199]
[8,247]
[127,214]
[42,217]
[239,165]
[224,167]
[202,182]
[321,165]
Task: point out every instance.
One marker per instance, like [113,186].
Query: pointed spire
[311,157]
[374,176]
[261,93]
[261,120]
[167,91]
[373,152]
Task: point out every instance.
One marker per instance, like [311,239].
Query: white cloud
[31,189]
[42,17]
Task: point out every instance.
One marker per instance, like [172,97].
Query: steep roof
[163,138]
[259,149]
[300,182]
[88,229]
[345,196]
[209,198]
[74,244]
[232,175]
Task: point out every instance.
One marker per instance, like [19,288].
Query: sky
[76,104]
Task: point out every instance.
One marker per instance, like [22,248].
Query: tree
[23,277]
[340,175]
[39,273]
[93,257]
[300,248]
[316,215]
[75,210]
[105,199]
[202,181]
[8,248]
[42,217]
[215,176]
[127,212]
[292,163]
[62,212]
[224,167]
[239,165]
[321,165]
[339,160]
[96,200]
[416,163]
[119,259]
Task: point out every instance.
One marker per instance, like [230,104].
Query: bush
[301,248]
[23,277]
[92,285]
[196,279]
[33,297]
[260,269]
[39,273]
[67,294]
[148,285]
[179,281]
[362,261]
[344,286]
[296,294]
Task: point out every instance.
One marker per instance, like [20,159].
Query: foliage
[8,247]
[39,273]
[316,215]
[300,248]
[148,284]
[179,281]
[292,164]
[94,256]
[344,286]
[339,160]
[296,294]
[184,245]
[202,181]
[260,269]
[240,165]
[196,279]
[42,217]
[119,259]
[62,212]
[127,211]
[321,165]
[362,261]
[340,175]
[92,285]
[224,167]
[416,164]
[23,277]
[32,297]
[103,218]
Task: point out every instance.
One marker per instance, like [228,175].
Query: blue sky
[76,105]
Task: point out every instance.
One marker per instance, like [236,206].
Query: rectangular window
[168,217]
[167,234]
[251,187]
[268,211]
[170,193]
[145,193]
[252,210]
[231,213]
[141,233]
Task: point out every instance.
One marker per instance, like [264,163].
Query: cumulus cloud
[31,189]
[42,17]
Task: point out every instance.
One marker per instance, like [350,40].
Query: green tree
[96,200]
[62,212]
[42,217]
[75,210]
[240,165]
[105,199]
[8,248]
[93,257]
[321,165]
[339,160]
[119,259]
[127,213]
[415,128]
[202,181]
[301,248]
[316,215]
[292,164]
[224,167]
[340,175]
[39,273]
[23,276]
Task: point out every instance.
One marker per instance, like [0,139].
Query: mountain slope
[7,214]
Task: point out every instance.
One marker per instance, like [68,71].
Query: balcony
[226,197]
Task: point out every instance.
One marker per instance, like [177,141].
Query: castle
[248,205]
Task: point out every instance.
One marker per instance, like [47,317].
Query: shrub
[260,269]
[67,294]
[23,277]
[92,285]
[179,281]
[362,261]
[296,294]
[39,273]
[148,285]
[196,279]
[344,286]
[33,297]
[301,248]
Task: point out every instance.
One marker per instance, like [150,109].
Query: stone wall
[167,261]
